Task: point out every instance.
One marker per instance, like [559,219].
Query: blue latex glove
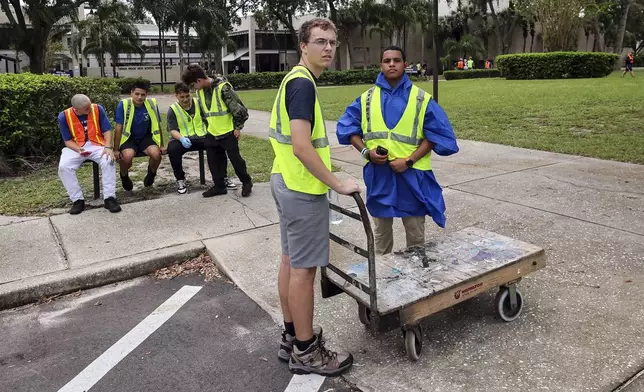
[187,143]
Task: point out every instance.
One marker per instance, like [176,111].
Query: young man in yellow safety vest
[188,129]
[225,115]
[138,131]
[395,125]
[300,180]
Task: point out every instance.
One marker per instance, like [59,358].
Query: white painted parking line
[110,358]
[305,383]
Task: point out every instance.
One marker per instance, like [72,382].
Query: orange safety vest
[631,59]
[93,128]
[460,65]
[487,65]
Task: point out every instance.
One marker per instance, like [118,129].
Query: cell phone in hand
[380,150]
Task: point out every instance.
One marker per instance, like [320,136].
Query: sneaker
[247,189]
[112,205]
[77,207]
[214,191]
[286,345]
[181,187]
[128,185]
[230,184]
[149,178]
[318,359]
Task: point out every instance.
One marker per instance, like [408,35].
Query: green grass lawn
[599,118]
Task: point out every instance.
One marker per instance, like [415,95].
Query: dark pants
[222,146]
[176,151]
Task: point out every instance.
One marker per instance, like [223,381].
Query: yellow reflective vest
[189,126]
[218,117]
[296,176]
[406,136]
[128,116]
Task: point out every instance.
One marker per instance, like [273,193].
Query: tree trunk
[422,45]
[188,35]
[364,50]
[598,34]
[525,41]
[531,42]
[497,27]
[333,15]
[181,40]
[218,64]
[622,28]
[36,55]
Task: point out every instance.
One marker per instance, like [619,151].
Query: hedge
[556,65]
[472,74]
[639,61]
[126,84]
[29,107]
[264,80]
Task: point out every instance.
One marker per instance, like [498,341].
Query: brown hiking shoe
[319,360]
[287,342]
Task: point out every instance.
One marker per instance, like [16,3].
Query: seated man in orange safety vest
[87,134]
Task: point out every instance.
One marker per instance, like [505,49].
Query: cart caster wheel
[413,343]
[364,314]
[503,307]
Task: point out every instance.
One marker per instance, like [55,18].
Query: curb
[24,291]
[272,312]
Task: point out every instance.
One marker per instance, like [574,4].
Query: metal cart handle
[369,254]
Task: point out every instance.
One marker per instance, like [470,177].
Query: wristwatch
[410,162]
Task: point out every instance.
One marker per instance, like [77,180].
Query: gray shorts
[304,225]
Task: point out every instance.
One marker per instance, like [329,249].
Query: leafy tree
[32,22]
[107,29]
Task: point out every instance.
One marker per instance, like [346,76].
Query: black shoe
[77,207]
[247,189]
[112,205]
[128,185]
[214,191]
[149,178]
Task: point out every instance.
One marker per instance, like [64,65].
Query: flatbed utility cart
[399,290]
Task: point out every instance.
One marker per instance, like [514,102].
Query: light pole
[436,59]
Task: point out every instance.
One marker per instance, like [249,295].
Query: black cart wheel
[364,314]
[413,343]
[503,304]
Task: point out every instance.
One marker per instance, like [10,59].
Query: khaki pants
[384,233]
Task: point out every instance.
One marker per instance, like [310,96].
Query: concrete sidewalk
[581,326]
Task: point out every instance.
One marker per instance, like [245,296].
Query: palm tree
[347,23]
[468,44]
[184,14]
[108,29]
[211,38]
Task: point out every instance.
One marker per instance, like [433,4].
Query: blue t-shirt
[141,123]
[66,133]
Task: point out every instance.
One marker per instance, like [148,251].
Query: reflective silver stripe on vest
[376,135]
[220,111]
[285,139]
[276,133]
[419,105]
[155,111]
[368,107]
[183,117]
[126,118]
[413,139]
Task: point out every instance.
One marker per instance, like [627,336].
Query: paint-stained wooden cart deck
[421,281]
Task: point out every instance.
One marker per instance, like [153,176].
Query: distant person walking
[630,60]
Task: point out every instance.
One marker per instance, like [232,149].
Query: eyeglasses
[321,42]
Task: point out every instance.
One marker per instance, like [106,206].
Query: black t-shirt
[300,100]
